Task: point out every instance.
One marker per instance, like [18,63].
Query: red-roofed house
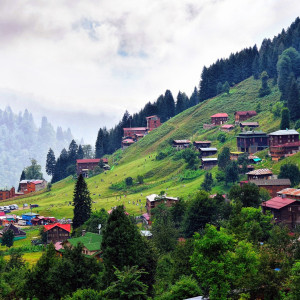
[57,232]
[33,185]
[126,143]
[40,220]
[130,132]
[219,119]
[241,116]
[153,122]
[284,210]
[83,166]
[227,127]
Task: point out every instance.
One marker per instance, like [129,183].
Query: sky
[83,63]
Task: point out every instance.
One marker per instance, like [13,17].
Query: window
[289,209]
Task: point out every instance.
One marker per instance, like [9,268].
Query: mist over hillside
[21,140]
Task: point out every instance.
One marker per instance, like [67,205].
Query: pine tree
[8,238]
[179,103]
[194,99]
[293,101]
[22,177]
[226,87]
[82,203]
[50,162]
[72,153]
[264,90]
[170,104]
[285,119]
[99,146]
[80,153]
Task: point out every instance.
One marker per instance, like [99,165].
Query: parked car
[7,211]
[1,207]
[16,206]
[12,207]
[34,205]
[25,205]
[6,207]
[22,222]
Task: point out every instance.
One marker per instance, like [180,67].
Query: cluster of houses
[134,134]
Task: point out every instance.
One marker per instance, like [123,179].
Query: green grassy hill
[168,174]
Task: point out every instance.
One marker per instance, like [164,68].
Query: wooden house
[252,141]
[131,131]
[18,233]
[91,244]
[83,166]
[241,116]
[284,150]
[273,186]
[227,127]
[7,194]
[209,163]
[57,232]
[250,125]
[181,144]
[41,220]
[263,174]
[33,185]
[219,119]
[289,193]
[126,143]
[153,122]
[154,200]
[284,210]
[202,144]
[281,137]
[204,152]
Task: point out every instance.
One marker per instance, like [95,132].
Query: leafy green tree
[293,101]
[285,119]
[140,179]
[297,124]
[128,285]
[222,264]
[290,171]
[265,89]
[82,203]
[277,108]
[258,108]
[221,137]
[177,212]
[248,195]
[33,171]
[226,87]
[86,294]
[185,287]
[232,172]
[163,229]
[294,282]
[8,238]
[129,181]
[208,182]
[50,162]
[224,158]
[101,164]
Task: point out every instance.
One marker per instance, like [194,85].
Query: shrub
[221,137]
[129,181]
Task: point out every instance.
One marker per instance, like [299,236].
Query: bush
[297,125]
[129,181]
[221,137]
[140,179]
[161,156]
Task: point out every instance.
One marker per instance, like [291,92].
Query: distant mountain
[21,140]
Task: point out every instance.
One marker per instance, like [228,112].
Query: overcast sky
[103,57]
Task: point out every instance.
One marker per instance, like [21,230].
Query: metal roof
[136,128]
[208,149]
[209,159]
[155,197]
[260,172]
[278,202]
[202,142]
[289,192]
[181,141]
[244,113]
[284,132]
[219,115]
[261,182]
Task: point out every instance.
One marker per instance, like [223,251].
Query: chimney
[83,232]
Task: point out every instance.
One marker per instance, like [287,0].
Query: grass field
[165,175]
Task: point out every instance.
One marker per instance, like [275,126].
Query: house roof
[278,202]
[181,141]
[155,197]
[260,182]
[244,113]
[15,229]
[289,192]
[66,227]
[208,149]
[219,115]
[260,172]
[139,134]
[285,132]
[202,142]
[249,124]
[30,214]
[251,132]
[37,181]
[135,128]
[128,141]
[92,241]
[91,160]
[236,152]
[209,159]
[227,126]
[154,116]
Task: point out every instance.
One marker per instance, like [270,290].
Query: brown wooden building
[241,116]
[153,122]
[252,141]
[273,186]
[263,174]
[130,132]
[181,144]
[7,194]
[57,232]
[83,166]
[219,119]
[250,125]
[284,150]
[281,137]
[154,200]
[17,232]
[227,127]
[204,152]
[209,163]
[285,210]
[202,144]
[289,193]
[126,143]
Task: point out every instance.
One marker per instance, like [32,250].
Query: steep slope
[107,189]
